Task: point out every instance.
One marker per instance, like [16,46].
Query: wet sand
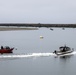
[17,28]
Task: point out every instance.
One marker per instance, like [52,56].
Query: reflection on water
[66,57]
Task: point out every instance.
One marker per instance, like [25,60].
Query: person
[1,47]
[55,52]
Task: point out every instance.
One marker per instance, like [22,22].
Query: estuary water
[33,55]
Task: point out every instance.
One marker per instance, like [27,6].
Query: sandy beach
[8,28]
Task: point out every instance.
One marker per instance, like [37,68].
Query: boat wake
[26,55]
[33,55]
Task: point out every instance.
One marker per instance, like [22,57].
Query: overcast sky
[37,11]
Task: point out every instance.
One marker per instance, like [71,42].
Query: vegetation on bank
[39,25]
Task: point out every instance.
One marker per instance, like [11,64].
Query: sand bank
[17,28]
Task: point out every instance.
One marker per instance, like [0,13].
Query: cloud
[40,11]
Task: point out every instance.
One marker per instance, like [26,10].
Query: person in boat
[64,49]
[55,52]
[7,47]
[1,47]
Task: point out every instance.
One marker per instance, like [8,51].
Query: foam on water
[32,55]
[26,55]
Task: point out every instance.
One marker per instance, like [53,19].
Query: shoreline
[38,25]
[6,28]
[32,26]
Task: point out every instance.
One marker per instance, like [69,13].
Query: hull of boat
[6,50]
[63,53]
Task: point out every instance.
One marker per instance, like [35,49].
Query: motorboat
[63,50]
[51,29]
[6,49]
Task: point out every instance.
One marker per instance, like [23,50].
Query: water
[34,55]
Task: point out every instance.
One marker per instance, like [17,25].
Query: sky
[38,11]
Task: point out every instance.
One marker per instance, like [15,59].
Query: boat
[63,50]
[51,29]
[6,49]
[41,37]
